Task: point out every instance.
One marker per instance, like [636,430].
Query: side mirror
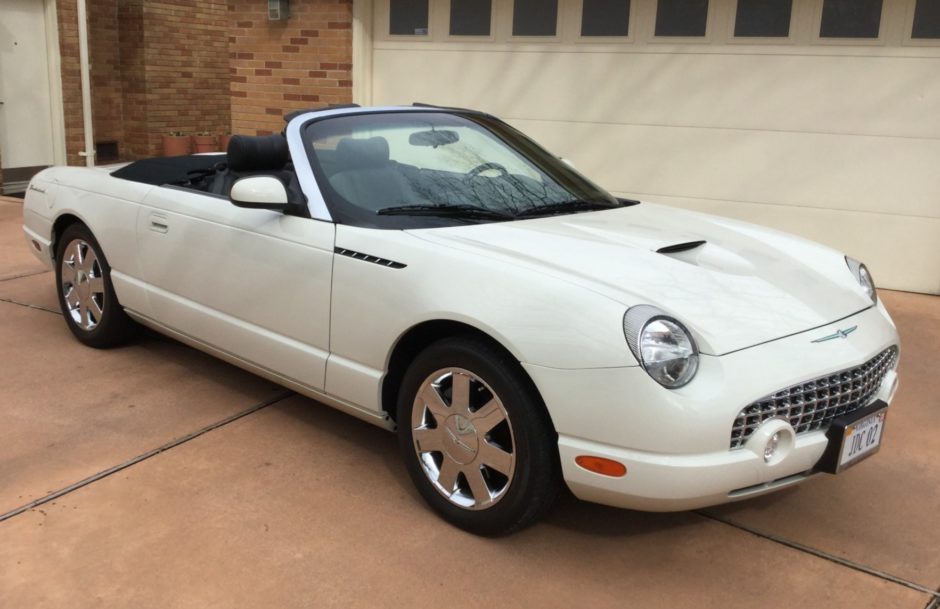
[259,192]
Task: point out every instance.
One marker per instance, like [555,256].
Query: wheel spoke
[79,255]
[487,417]
[481,492]
[495,457]
[83,312]
[71,297]
[448,475]
[428,440]
[435,403]
[68,273]
[94,309]
[96,284]
[460,392]
[90,259]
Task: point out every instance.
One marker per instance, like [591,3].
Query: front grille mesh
[814,404]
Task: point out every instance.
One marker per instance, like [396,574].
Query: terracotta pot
[223,142]
[175,145]
[204,143]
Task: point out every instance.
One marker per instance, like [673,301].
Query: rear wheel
[86,295]
[476,439]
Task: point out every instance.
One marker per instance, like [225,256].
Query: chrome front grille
[814,404]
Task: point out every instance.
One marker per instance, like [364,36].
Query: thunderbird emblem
[837,334]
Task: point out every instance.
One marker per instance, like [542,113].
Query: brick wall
[156,66]
[186,64]
[280,66]
[200,65]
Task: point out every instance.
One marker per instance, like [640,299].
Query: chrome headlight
[663,346]
[861,274]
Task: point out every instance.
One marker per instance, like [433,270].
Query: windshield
[419,169]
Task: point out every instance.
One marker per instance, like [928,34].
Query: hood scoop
[709,257]
[680,247]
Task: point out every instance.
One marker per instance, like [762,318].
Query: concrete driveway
[155,476]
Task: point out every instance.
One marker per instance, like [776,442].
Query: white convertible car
[434,270]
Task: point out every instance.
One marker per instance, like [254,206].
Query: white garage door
[819,117]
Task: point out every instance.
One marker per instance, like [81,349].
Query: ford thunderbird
[435,271]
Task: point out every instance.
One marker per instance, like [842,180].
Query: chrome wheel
[463,438]
[82,284]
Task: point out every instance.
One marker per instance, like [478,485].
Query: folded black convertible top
[167,170]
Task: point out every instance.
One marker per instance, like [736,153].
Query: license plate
[861,439]
[853,437]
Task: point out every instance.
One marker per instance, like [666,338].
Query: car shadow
[380,448]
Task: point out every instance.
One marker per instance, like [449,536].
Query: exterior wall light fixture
[278,10]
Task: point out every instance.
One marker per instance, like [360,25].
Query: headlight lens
[662,345]
[861,274]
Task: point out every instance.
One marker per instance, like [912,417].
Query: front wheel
[86,295]
[476,439]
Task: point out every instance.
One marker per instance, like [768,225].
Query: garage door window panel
[471,17]
[859,19]
[535,18]
[681,18]
[408,17]
[605,18]
[763,18]
[926,20]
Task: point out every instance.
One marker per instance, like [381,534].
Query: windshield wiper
[565,207]
[459,211]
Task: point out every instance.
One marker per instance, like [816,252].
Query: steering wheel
[487,167]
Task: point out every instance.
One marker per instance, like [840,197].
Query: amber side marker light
[604,467]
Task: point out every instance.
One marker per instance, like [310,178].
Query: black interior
[215,174]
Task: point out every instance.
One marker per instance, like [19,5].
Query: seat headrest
[261,153]
[354,153]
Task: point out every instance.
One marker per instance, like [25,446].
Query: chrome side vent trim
[680,247]
[367,258]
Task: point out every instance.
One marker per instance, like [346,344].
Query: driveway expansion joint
[29,306]
[24,275]
[283,395]
[934,602]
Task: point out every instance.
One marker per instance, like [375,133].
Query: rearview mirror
[433,138]
[259,192]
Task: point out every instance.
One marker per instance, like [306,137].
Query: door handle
[159,223]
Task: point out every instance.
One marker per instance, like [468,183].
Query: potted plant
[175,144]
[224,140]
[204,142]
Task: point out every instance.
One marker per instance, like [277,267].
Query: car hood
[743,286]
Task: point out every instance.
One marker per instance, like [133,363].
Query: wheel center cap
[461,443]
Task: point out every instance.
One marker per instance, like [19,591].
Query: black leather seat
[250,156]
[366,177]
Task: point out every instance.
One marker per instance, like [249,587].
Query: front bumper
[675,444]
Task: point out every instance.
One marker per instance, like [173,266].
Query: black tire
[533,486]
[106,324]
